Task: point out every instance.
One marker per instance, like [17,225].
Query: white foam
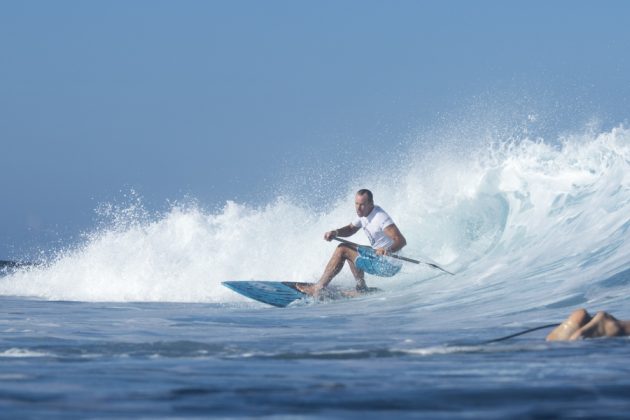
[523,224]
[19,353]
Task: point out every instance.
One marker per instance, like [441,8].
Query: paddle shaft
[398,257]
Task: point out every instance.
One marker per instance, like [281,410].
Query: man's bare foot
[572,324]
[361,285]
[358,291]
[309,289]
[362,288]
[602,325]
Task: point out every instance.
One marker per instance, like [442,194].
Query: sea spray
[524,223]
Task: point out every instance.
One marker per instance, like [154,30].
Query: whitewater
[134,320]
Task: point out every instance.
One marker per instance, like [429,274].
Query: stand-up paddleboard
[283,293]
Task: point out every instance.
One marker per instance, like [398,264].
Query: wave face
[525,224]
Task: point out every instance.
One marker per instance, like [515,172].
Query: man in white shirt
[384,237]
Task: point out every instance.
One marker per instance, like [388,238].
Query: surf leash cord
[507,337]
[398,257]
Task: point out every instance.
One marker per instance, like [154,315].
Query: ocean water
[134,321]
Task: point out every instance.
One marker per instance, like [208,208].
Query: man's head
[364,202]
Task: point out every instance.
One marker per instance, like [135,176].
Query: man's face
[363,205]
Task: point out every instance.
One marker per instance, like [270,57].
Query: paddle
[398,257]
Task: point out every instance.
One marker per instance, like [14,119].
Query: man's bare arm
[398,240]
[341,232]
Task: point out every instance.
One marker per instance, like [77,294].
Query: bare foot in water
[359,292]
[573,323]
[309,289]
[602,325]
[581,325]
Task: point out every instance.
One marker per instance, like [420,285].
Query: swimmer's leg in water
[573,323]
[580,325]
[602,325]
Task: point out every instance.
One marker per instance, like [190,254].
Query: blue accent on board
[274,293]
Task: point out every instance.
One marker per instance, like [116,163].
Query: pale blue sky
[221,100]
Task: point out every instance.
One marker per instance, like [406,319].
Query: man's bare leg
[359,275]
[581,325]
[573,323]
[602,325]
[342,254]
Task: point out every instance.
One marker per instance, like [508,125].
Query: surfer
[384,237]
[580,325]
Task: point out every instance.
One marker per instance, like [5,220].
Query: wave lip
[522,224]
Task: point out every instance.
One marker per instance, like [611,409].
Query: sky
[239,100]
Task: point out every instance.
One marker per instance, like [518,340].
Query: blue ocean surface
[76,359]
[134,321]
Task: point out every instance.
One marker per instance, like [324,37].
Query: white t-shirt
[373,226]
